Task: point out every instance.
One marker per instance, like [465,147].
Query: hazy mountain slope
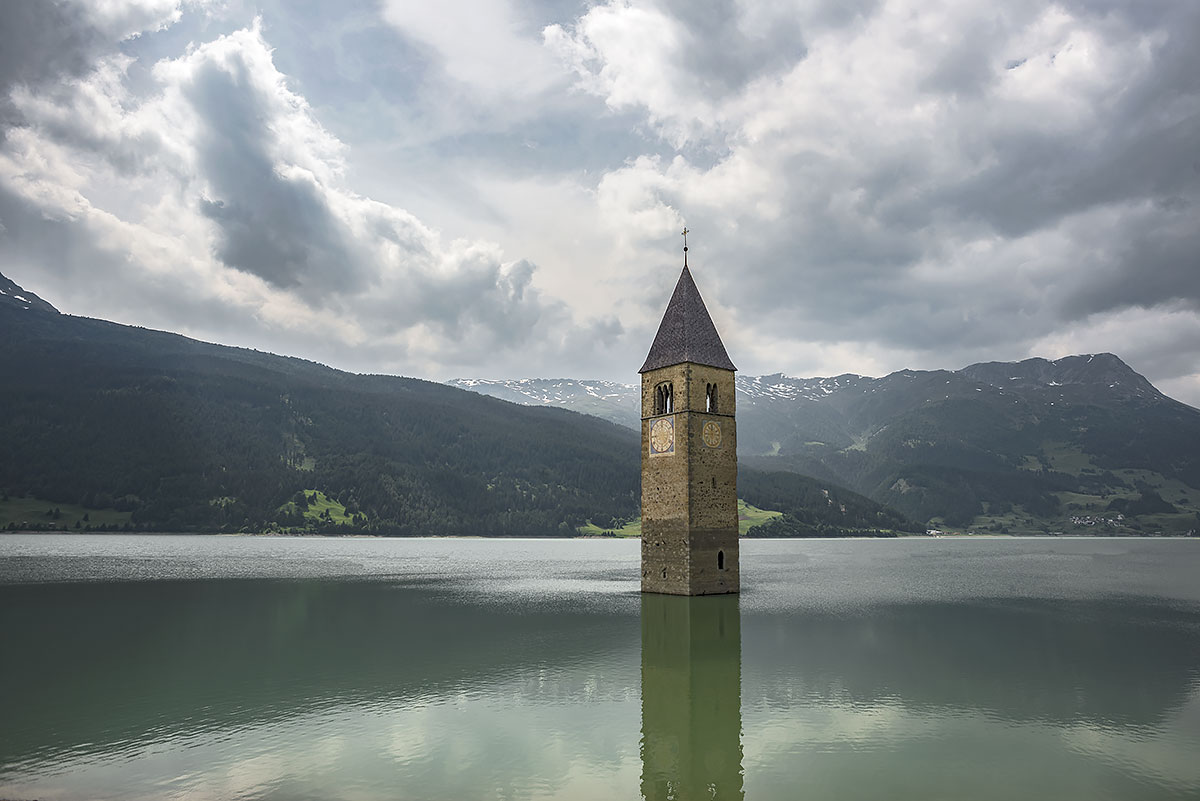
[615,402]
[1024,446]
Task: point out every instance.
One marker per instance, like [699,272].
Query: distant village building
[689,454]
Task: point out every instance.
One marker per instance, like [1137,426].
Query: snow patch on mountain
[11,294]
[781,387]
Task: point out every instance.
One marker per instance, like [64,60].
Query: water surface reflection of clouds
[453,669]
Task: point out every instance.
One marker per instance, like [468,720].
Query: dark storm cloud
[721,56]
[45,45]
[1138,157]
[1165,352]
[1155,263]
[40,41]
[278,228]
[1141,145]
[967,68]
[1124,190]
[482,297]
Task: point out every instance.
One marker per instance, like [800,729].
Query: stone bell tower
[689,453]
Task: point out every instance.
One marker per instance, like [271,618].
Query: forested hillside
[186,435]
[815,508]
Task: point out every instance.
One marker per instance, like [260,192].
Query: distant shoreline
[268,535]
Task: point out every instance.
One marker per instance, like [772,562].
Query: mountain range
[1082,443]
[112,426]
[107,425]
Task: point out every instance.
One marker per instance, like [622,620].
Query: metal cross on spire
[685,233]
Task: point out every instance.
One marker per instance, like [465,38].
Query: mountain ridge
[14,296]
[1035,445]
[613,397]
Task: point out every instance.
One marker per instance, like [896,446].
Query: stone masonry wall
[689,498]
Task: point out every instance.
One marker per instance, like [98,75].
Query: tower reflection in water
[691,698]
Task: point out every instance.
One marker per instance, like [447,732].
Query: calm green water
[221,667]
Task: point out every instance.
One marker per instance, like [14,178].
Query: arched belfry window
[710,398]
[664,398]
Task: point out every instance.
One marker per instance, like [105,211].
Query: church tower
[689,454]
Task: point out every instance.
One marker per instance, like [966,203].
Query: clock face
[662,436]
[711,434]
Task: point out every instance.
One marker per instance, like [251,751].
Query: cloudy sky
[496,187]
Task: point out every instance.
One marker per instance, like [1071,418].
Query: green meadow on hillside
[1121,501]
[34,513]
[314,506]
[749,516]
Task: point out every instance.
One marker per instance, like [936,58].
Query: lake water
[226,667]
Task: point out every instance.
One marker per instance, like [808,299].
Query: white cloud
[632,56]
[484,45]
[224,183]
[871,184]
[123,19]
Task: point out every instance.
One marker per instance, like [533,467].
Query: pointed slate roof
[687,333]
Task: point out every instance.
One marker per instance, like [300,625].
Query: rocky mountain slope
[14,297]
